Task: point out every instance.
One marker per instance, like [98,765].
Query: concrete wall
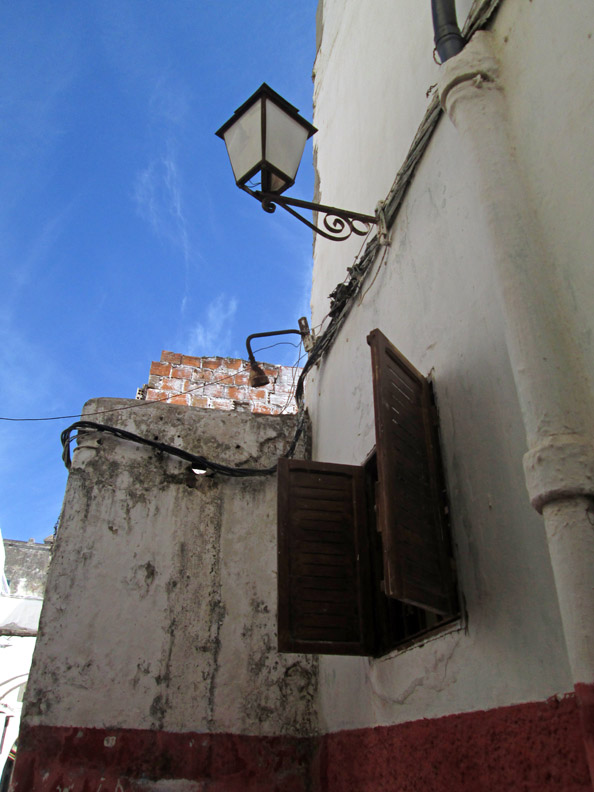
[434,295]
[159,623]
[26,567]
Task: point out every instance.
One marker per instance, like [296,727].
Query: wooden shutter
[410,503]
[324,600]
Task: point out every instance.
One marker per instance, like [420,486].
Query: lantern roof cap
[266,91]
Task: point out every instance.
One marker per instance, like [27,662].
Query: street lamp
[265,139]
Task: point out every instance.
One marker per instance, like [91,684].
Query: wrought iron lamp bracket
[338,224]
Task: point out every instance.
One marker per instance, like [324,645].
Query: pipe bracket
[477,59]
[561,467]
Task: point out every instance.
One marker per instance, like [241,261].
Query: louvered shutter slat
[323,559]
[410,509]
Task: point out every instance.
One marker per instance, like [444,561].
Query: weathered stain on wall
[161,602]
[220,383]
[158,635]
[139,555]
[123,760]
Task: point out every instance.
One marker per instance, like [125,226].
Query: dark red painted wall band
[585,699]
[127,760]
[534,747]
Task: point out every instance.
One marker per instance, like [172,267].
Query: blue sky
[121,230]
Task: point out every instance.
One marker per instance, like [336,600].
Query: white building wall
[19,619]
[435,298]
[15,660]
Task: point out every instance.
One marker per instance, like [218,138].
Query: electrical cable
[139,403]
[278,343]
[196,460]
[295,368]
[143,402]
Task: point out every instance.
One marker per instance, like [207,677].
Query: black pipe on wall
[448,39]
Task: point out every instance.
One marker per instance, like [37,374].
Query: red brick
[286,375]
[168,384]
[216,391]
[194,390]
[170,357]
[181,372]
[237,394]
[180,399]
[190,360]
[222,404]
[198,401]
[211,363]
[163,396]
[202,375]
[234,363]
[257,394]
[160,369]
[263,409]
[282,399]
[223,376]
[242,378]
[152,395]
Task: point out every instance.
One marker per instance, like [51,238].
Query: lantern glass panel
[244,141]
[285,141]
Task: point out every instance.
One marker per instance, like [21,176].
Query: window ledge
[447,628]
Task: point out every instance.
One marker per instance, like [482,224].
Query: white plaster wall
[15,660]
[160,608]
[434,296]
[372,72]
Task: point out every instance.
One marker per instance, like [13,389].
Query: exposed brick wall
[220,383]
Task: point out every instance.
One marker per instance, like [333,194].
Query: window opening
[365,561]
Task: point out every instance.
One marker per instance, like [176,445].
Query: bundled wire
[342,298]
[196,461]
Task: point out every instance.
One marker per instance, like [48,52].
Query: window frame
[406,606]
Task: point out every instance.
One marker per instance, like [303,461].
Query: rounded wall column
[556,402]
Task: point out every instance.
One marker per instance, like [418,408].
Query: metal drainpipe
[556,402]
[448,39]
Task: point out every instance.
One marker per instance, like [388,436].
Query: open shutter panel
[417,567]
[323,559]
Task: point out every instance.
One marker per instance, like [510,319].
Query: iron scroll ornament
[339,224]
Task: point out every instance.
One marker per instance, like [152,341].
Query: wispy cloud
[158,196]
[169,102]
[212,336]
